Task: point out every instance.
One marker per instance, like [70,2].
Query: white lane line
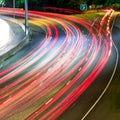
[68,83]
[48,101]
[116,64]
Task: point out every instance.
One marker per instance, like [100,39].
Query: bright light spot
[4,33]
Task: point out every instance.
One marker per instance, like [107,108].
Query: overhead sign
[83,7]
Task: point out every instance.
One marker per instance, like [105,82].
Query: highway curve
[56,67]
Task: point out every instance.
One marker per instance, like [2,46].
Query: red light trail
[49,78]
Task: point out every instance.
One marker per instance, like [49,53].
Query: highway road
[108,101]
[62,59]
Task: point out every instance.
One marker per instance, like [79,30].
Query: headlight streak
[60,62]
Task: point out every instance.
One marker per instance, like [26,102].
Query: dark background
[70,4]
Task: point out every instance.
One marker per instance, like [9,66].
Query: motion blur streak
[54,73]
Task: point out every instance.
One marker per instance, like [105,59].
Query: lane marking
[116,64]
[48,101]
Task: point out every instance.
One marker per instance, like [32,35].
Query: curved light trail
[58,70]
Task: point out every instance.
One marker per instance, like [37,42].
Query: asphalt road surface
[63,58]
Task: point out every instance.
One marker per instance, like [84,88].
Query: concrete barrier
[20,45]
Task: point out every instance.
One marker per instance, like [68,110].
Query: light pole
[13,3]
[14,7]
[26,15]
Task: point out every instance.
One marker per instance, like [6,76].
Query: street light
[26,13]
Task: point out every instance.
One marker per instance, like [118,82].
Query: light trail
[49,78]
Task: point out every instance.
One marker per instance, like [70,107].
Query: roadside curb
[20,45]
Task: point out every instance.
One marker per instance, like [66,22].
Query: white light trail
[4,33]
